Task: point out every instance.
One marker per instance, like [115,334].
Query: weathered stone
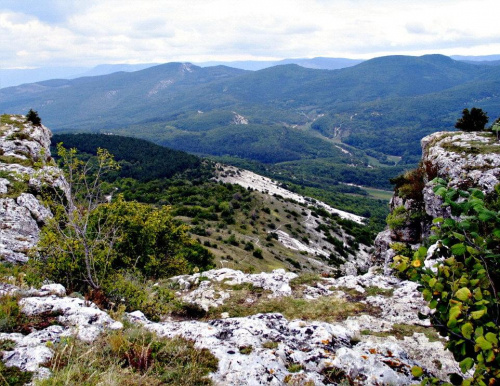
[459,159]
[206,296]
[4,185]
[39,212]
[87,320]
[21,213]
[18,231]
[317,347]
[76,318]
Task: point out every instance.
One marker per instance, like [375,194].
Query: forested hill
[140,159]
[353,121]
[385,104]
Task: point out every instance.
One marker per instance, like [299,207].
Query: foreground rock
[264,349]
[269,349]
[72,317]
[26,171]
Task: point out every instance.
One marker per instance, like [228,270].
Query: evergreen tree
[473,120]
[33,117]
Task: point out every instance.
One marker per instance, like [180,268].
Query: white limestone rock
[76,317]
[21,215]
[39,212]
[4,185]
[85,319]
[316,346]
[463,159]
[53,289]
[18,231]
[31,351]
[207,294]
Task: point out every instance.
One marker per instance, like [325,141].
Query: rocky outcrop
[265,349]
[26,170]
[268,349]
[72,317]
[199,288]
[464,160]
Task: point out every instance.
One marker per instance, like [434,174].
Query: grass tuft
[130,357]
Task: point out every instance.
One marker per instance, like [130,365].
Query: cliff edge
[463,159]
[27,174]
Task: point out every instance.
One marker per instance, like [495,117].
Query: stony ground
[363,329]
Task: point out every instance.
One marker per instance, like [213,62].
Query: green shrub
[33,117]
[13,376]
[463,289]
[257,253]
[397,218]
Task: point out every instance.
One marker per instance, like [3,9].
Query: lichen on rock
[26,169]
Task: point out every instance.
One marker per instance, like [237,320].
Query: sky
[38,33]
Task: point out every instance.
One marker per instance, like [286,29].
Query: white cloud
[112,31]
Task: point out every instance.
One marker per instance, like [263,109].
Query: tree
[90,243]
[473,120]
[79,241]
[33,117]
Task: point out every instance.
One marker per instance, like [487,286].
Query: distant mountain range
[359,115]
[15,77]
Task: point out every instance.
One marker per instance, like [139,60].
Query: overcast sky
[36,33]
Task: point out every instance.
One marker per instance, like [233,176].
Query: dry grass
[131,357]
[401,330]
[329,309]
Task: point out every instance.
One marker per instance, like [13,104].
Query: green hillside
[375,110]
[235,224]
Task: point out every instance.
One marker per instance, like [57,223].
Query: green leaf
[490,356]
[459,236]
[432,282]
[458,249]
[455,312]
[486,215]
[441,191]
[477,314]
[422,252]
[483,343]
[417,371]
[491,337]
[471,250]
[467,330]
[427,294]
[466,364]
[463,294]
[476,193]
[437,220]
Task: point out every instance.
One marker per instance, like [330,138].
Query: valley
[305,124]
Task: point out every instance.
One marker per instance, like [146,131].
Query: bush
[462,288]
